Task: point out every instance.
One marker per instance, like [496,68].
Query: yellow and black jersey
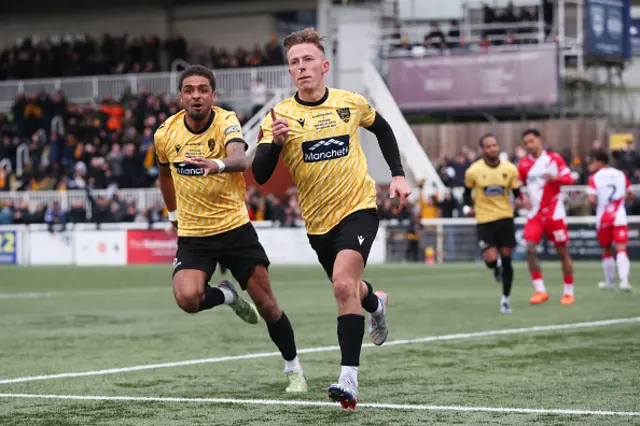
[324,156]
[491,186]
[207,205]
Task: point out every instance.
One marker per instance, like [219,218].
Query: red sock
[536,275]
[568,279]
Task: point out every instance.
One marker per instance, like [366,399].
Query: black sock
[213,296]
[281,333]
[507,275]
[350,334]
[370,303]
[491,265]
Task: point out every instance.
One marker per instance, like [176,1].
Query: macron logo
[360,239]
[325,149]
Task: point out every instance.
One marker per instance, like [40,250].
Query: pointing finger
[273,114]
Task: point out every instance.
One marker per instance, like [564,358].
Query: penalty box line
[458,336]
[275,402]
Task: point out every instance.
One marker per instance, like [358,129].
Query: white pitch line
[275,402]
[459,336]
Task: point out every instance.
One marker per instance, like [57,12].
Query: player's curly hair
[600,155]
[199,70]
[308,35]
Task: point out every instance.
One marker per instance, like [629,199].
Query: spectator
[6,215]
[55,217]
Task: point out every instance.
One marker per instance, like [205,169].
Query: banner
[634,37]
[583,244]
[290,246]
[47,248]
[151,246]
[8,248]
[492,79]
[607,29]
[100,247]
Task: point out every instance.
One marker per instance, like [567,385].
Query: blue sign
[634,34]
[608,23]
[8,248]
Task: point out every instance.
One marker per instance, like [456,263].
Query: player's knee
[531,249]
[344,287]
[189,301]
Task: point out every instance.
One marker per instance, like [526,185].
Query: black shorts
[355,232]
[499,233]
[238,250]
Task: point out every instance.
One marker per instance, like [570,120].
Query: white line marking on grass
[275,402]
[459,336]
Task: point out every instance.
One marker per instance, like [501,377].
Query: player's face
[197,97]
[533,144]
[490,148]
[307,66]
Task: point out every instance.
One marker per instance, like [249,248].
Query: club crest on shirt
[344,114]
[178,147]
[212,144]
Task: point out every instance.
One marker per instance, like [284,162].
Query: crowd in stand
[70,56]
[502,26]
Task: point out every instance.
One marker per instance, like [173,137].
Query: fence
[89,89]
[454,240]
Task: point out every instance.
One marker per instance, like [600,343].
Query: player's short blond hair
[308,35]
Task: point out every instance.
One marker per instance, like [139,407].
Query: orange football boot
[567,299]
[539,297]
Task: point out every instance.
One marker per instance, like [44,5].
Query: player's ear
[325,66]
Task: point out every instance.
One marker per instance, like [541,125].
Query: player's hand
[526,203]
[279,128]
[468,211]
[399,188]
[172,228]
[550,178]
[209,166]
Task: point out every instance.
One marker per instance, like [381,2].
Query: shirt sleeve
[366,112]
[264,133]
[469,178]
[231,130]
[160,143]
[591,187]
[563,169]
[522,174]
[515,179]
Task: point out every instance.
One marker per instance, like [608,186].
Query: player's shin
[281,333]
[213,296]
[370,301]
[507,275]
[609,269]
[622,260]
[350,335]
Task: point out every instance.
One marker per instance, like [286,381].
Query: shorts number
[613,192]
[7,242]
[560,236]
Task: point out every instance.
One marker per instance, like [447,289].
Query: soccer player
[543,173]
[491,180]
[315,131]
[201,155]
[608,188]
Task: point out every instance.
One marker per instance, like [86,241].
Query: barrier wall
[133,243]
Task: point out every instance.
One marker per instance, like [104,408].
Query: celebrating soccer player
[201,153]
[491,179]
[544,173]
[608,188]
[316,134]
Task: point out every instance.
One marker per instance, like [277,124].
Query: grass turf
[61,320]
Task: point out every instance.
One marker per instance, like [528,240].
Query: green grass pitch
[60,320]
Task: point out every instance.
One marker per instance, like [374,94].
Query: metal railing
[93,88]
[147,197]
